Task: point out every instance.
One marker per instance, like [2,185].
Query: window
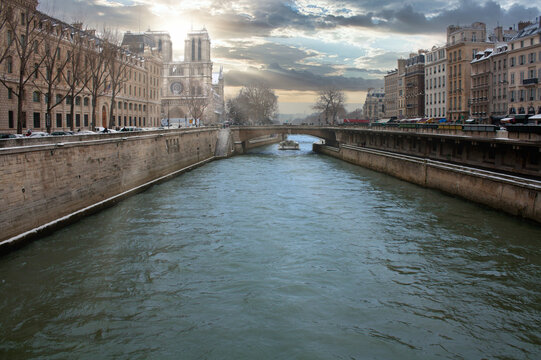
[86,120]
[58,98]
[36,96]
[9,64]
[10,93]
[78,120]
[130,107]
[68,120]
[85,102]
[58,120]
[512,62]
[9,37]
[125,106]
[11,124]
[119,105]
[69,100]
[78,100]
[37,120]
[512,78]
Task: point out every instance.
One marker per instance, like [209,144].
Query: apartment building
[481,85]
[524,59]
[401,87]
[391,94]
[462,45]
[374,107]
[498,106]
[435,82]
[415,85]
[58,91]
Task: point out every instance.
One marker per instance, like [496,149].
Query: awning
[506,120]
[535,117]
[383,121]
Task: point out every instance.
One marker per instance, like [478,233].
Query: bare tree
[51,72]
[260,102]
[96,63]
[6,13]
[116,66]
[198,100]
[235,111]
[76,75]
[25,37]
[330,101]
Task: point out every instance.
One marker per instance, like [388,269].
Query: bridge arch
[243,134]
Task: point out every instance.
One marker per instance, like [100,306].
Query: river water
[278,255]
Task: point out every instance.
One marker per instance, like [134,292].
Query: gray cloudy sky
[299,46]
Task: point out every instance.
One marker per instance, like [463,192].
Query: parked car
[84,132]
[61,133]
[7,136]
[131,128]
[38,134]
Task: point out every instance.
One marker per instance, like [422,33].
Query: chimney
[498,32]
[523,24]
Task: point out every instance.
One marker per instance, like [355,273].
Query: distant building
[499,64]
[401,87]
[435,82]
[184,82]
[374,107]
[481,85]
[524,59]
[391,94]
[462,45]
[415,85]
[137,102]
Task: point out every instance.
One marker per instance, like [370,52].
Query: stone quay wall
[52,181]
[512,194]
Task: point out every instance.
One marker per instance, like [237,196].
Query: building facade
[435,83]
[391,94]
[401,87]
[498,106]
[462,45]
[374,106]
[415,85]
[48,81]
[524,59]
[481,85]
[189,86]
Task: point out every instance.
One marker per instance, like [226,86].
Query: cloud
[277,77]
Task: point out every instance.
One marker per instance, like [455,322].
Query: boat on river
[288,145]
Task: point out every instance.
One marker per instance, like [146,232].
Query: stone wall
[44,182]
[512,194]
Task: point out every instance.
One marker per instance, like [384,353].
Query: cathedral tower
[197,46]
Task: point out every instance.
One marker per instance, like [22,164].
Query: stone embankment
[512,194]
[49,182]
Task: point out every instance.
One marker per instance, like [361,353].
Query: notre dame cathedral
[183,81]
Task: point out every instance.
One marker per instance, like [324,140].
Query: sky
[298,47]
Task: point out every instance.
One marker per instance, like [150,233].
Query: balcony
[530,82]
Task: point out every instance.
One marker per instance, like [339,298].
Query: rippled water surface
[278,255]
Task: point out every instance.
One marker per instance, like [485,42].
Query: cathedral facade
[191,93]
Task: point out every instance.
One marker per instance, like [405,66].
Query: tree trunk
[72,110]
[20,114]
[93,115]
[112,110]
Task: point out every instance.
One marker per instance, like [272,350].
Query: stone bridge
[243,134]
